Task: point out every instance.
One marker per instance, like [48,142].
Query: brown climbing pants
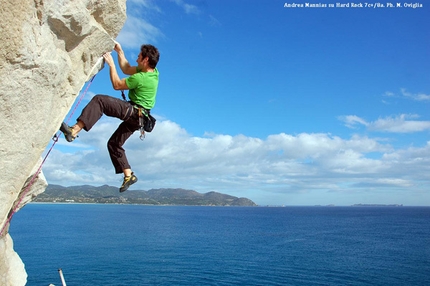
[113,107]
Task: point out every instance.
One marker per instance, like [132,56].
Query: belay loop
[143,124]
[146,121]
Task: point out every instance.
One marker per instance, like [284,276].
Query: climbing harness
[36,174]
[146,121]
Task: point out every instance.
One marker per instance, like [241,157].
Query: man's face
[141,60]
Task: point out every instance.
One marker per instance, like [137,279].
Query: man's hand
[126,68]
[108,59]
[118,47]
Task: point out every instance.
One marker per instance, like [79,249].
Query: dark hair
[152,53]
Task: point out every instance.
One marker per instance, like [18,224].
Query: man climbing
[142,84]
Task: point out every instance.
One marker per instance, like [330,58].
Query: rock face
[50,48]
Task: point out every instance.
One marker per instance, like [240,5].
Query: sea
[99,244]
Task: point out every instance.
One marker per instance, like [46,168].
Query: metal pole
[62,277]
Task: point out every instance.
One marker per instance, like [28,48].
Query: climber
[142,84]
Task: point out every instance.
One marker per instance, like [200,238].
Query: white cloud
[276,166]
[408,95]
[352,120]
[214,21]
[147,4]
[398,124]
[415,96]
[188,8]
[137,31]
[394,182]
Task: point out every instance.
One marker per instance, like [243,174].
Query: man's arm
[123,62]
[117,83]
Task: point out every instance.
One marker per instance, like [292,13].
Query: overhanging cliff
[49,49]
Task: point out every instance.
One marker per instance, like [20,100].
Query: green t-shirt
[143,88]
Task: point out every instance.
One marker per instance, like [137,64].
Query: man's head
[152,53]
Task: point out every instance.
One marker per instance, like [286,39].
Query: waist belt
[142,110]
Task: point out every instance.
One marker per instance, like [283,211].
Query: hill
[109,195]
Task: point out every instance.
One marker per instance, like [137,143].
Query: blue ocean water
[177,245]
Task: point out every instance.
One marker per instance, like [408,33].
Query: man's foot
[67,131]
[128,181]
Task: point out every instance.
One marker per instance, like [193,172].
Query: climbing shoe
[67,131]
[128,181]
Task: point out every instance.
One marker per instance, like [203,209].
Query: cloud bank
[281,164]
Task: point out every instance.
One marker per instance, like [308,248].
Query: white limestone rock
[11,267]
[50,48]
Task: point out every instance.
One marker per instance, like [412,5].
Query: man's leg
[117,153]
[77,128]
[99,105]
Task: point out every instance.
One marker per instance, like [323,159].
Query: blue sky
[285,106]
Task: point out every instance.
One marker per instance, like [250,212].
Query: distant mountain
[110,195]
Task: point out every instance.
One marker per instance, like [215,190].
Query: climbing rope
[36,174]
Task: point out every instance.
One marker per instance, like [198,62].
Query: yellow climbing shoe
[67,131]
[128,181]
